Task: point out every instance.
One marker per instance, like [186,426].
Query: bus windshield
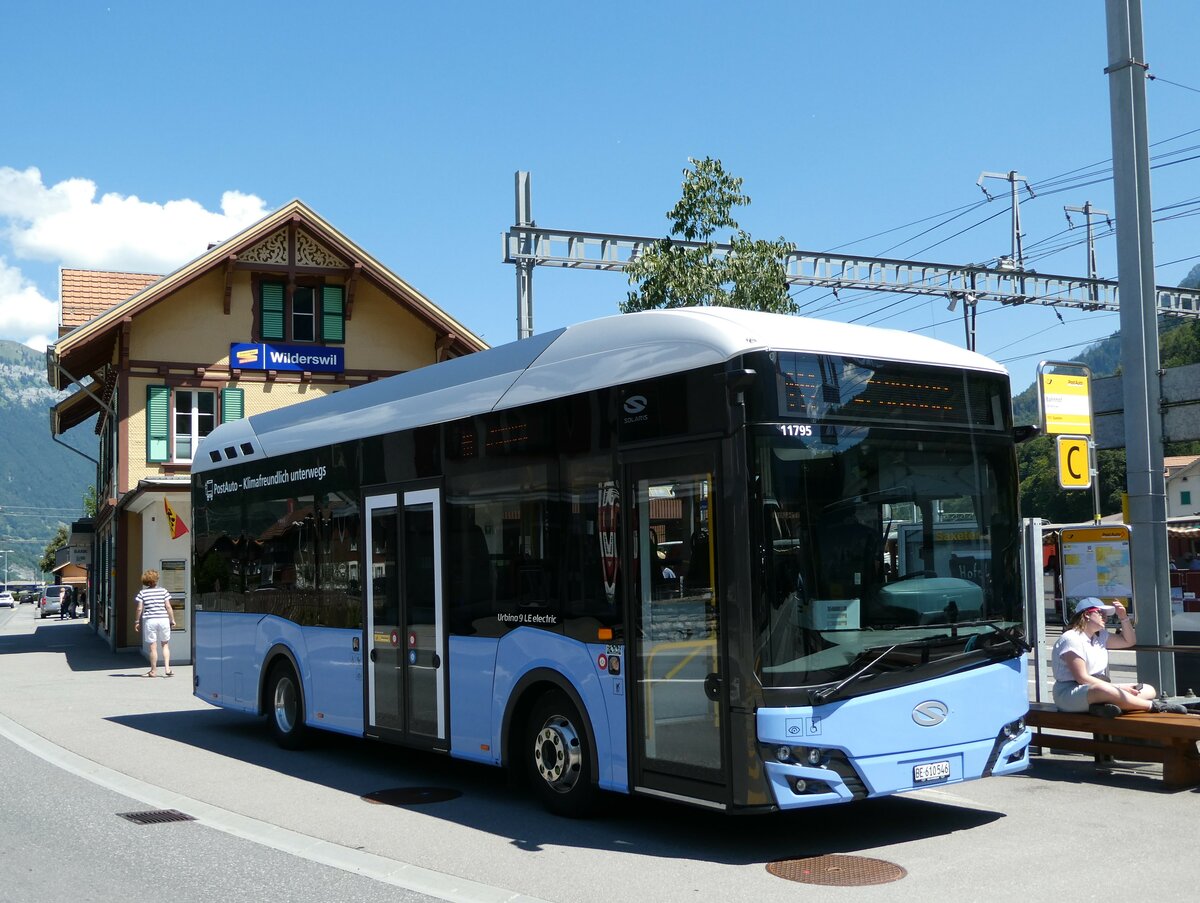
[882,548]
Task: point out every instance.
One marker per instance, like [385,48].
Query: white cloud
[26,315]
[66,224]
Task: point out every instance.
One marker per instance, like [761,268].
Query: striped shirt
[154,601]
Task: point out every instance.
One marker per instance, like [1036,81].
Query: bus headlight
[798,755]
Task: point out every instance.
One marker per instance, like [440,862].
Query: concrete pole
[524,267]
[1139,340]
[1012,177]
[1018,251]
[1088,212]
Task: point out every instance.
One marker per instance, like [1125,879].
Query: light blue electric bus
[654,553]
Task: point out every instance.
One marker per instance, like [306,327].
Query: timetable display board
[1096,561]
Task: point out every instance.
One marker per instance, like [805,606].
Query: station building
[286,310]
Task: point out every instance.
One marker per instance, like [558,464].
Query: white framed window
[195,416]
[304,315]
[177,419]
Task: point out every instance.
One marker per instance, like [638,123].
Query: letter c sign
[1074,463]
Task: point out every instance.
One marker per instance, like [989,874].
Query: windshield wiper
[827,694]
[1011,636]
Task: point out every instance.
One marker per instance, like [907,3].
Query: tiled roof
[1175,462]
[88,293]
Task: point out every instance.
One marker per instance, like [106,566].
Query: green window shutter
[158,423]
[333,308]
[233,405]
[272,310]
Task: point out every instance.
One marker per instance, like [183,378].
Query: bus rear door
[405,631]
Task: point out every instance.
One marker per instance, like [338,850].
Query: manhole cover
[155,816]
[412,796]
[836,870]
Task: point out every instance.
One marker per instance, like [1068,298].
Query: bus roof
[592,355]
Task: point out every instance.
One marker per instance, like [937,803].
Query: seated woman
[1080,665]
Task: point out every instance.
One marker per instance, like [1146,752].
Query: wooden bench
[1143,737]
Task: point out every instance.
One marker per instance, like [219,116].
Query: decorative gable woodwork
[310,253]
[272,249]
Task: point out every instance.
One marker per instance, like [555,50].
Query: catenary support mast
[1126,72]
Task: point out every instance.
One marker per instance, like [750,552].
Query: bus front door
[675,651]
[405,635]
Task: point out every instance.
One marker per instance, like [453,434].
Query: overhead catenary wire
[1043,248]
[1045,351]
[1089,174]
[1080,177]
[1058,243]
[1158,78]
[1036,256]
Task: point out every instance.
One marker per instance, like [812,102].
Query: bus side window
[470,578]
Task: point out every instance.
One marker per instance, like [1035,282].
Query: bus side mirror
[1025,433]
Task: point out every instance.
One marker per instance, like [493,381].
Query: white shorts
[1070,696]
[156,630]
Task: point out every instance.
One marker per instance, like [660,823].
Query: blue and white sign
[266,356]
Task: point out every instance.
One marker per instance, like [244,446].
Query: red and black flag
[175,525]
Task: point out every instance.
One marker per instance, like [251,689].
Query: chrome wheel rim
[285,705]
[558,754]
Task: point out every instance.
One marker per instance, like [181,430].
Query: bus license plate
[931,771]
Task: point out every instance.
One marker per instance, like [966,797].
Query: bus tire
[559,758]
[285,706]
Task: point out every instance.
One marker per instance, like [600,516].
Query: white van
[53,598]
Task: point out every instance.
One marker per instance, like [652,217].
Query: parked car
[31,597]
[53,597]
[7,600]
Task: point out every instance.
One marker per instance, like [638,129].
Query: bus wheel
[559,758]
[285,707]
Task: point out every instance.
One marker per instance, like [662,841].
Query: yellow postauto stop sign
[1074,465]
[1067,402]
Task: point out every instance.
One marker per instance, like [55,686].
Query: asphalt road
[62,838]
[1060,831]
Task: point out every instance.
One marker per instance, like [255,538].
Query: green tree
[46,564]
[89,502]
[751,275]
[1041,496]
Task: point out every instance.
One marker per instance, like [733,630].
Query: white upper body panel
[593,355]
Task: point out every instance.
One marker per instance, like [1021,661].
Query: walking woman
[155,618]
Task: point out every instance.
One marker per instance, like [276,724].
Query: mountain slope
[1179,344]
[42,484]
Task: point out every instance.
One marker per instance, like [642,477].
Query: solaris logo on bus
[930,713]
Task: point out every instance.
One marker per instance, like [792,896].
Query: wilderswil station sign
[296,358]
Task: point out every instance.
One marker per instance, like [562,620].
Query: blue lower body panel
[231,649]
[485,673]
[937,732]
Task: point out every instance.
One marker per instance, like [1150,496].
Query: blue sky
[134,133]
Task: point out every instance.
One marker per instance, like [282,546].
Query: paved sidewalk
[959,842]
